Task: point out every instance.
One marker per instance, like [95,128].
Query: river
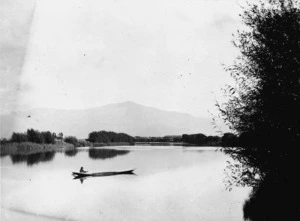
[170,183]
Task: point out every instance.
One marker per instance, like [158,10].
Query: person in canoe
[82,170]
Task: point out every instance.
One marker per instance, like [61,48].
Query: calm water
[171,183]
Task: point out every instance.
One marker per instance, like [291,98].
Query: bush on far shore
[72,140]
[77,142]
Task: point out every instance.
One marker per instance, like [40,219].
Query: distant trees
[228,139]
[19,137]
[109,137]
[201,139]
[213,141]
[47,137]
[76,142]
[34,136]
[165,139]
[105,137]
[198,139]
[72,140]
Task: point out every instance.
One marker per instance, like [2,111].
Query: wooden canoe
[77,174]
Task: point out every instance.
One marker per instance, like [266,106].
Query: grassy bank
[29,147]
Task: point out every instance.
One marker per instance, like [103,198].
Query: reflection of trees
[34,158]
[18,158]
[71,153]
[105,153]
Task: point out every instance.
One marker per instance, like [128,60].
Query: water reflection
[193,151]
[34,158]
[105,153]
[71,153]
[171,185]
[199,149]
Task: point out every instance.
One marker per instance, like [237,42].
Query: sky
[77,54]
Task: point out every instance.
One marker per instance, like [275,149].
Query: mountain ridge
[127,117]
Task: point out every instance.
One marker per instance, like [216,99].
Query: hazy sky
[69,54]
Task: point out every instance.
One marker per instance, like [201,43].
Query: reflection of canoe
[77,175]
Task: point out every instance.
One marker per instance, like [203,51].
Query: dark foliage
[263,109]
[229,140]
[109,137]
[273,201]
[264,106]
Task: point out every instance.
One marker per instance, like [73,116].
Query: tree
[72,140]
[35,136]
[264,106]
[48,137]
[19,137]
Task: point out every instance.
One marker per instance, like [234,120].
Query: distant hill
[128,117]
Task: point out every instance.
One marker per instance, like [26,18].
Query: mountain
[128,117]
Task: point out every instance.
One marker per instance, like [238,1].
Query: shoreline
[26,148]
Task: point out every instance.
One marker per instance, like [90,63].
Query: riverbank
[11,148]
[172,144]
[30,148]
[112,144]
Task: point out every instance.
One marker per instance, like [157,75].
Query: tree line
[44,137]
[201,139]
[227,140]
[106,137]
[34,136]
[109,137]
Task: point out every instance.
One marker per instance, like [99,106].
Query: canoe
[77,174]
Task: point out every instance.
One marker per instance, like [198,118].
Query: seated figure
[82,170]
